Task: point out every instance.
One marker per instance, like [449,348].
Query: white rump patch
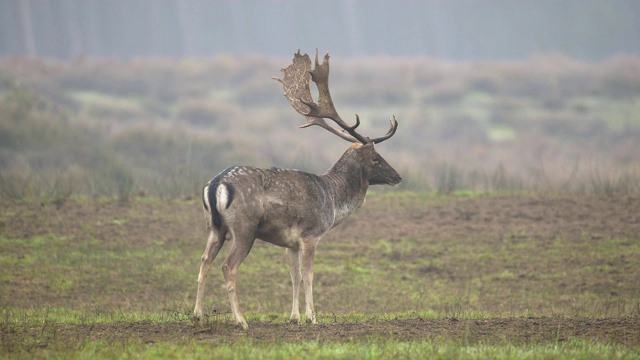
[222,193]
[205,197]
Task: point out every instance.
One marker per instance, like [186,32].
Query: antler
[297,91]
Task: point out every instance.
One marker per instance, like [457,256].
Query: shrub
[101,106]
[620,77]
[206,112]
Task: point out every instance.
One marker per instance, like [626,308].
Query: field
[410,275]
[514,234]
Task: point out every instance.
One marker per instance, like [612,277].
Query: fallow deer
[290,208]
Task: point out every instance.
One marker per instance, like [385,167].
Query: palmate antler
[297,91]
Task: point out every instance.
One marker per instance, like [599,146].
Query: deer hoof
[243,324]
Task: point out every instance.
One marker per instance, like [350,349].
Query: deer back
[278,203]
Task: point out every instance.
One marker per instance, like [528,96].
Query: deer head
[296,89]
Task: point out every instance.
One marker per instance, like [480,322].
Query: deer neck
[347,185]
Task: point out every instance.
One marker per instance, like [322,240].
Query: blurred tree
[26,28]
[459,30]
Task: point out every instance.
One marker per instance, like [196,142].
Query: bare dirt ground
[625,331]
[541,217]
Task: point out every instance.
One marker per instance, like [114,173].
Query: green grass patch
[101,105]
[373,349]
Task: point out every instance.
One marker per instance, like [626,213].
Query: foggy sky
[456,30]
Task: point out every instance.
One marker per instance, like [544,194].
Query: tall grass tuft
[610,184]
[450,179]
[123,181]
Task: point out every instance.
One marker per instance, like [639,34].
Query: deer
[290,208]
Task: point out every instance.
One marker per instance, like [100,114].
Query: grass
[100,105]
[370,349]
[43,329]
[111,255]
[103,279]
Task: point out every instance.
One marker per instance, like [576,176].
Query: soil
[623,331]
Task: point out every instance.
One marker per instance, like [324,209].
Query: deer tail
[216,196]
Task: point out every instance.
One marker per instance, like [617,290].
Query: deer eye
[375,159]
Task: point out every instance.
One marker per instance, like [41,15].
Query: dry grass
[548,123]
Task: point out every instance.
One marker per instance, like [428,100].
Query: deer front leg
[214,244]
[307,279]
[296,278]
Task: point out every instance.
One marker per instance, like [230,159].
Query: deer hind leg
[306,258]
[242,243]
[296,278]
[214,244]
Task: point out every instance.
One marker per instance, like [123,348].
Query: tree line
[458,30]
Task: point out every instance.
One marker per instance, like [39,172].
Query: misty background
[457,30]
[132,97]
